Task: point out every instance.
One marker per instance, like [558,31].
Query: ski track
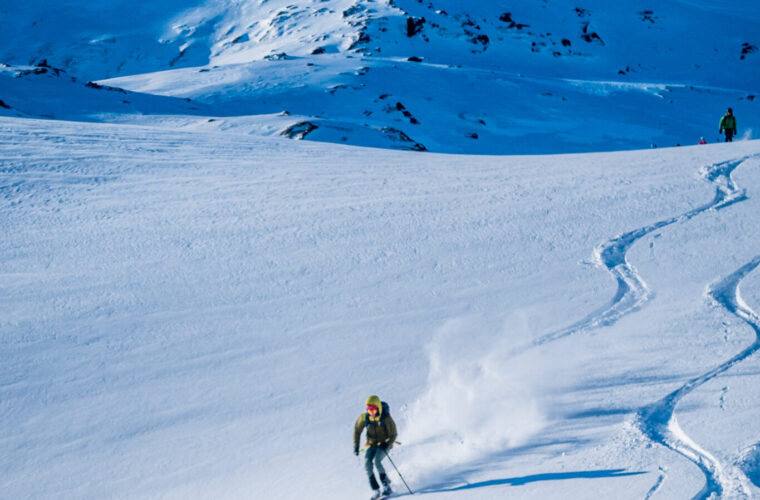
[654,489]
[658,420]
[632,292]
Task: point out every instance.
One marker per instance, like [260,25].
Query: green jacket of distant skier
[381,430]
[727,122]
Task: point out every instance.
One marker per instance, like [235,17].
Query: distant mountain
[440,75]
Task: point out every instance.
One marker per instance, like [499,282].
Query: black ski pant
[729,136]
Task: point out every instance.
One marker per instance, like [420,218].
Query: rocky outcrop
[398,136]
[299,131]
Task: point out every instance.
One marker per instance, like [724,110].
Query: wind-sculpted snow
[658,420]
[632,291]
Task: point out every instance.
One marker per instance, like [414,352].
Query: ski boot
[375,488]
[386,485]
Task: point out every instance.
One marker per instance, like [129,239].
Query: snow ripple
[632,291]
[658,421]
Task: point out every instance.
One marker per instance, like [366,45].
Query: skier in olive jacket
[381,434]
[728,124]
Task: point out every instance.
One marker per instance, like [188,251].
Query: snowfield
[196,314]
[226,223]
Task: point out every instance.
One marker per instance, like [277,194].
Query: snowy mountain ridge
[483,77]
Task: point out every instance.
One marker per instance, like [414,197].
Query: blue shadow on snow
[555,476]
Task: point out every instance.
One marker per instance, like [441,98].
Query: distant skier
[728,124]
[702,141]
[381,434]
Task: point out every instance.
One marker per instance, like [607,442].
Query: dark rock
[363,39]
[353,10]
[507,18]
[481,39]
[747,48]
[299,131]
[414,25]
[397,135]
[591,36]
[647,16]
[97,86]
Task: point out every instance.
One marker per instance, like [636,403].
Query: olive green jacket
[728,122]
[376,434]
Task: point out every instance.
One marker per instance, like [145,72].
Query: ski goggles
[372,408]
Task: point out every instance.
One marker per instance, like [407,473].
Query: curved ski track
[658,421]
[632,292]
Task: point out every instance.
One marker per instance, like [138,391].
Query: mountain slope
[493,78]
[190,314]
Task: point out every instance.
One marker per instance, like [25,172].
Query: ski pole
[398,472]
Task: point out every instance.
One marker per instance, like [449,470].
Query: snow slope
[522,77]
[201,314]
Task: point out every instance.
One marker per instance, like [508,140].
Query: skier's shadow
[519,481]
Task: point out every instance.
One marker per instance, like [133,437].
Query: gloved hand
[356,451]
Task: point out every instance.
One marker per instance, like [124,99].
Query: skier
[728,123]
[702,141]
[381,434]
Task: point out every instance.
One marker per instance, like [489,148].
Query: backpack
[386,411]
